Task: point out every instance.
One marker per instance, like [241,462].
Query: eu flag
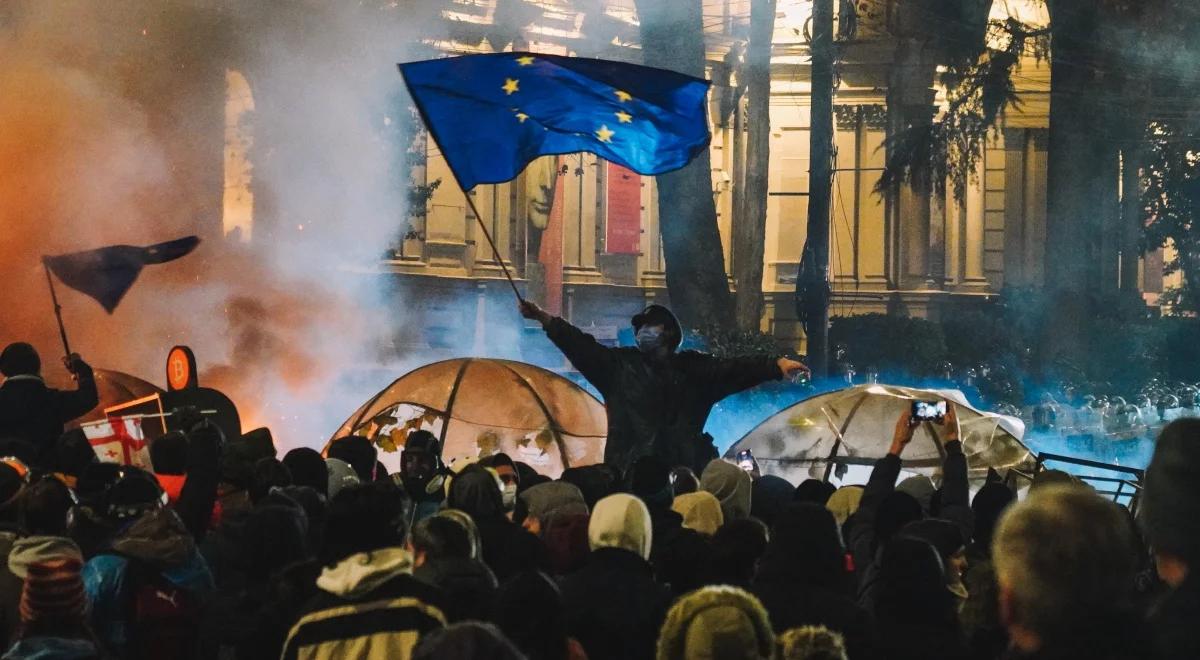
[105,274]
[493,114]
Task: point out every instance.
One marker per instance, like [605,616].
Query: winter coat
[792,605]
[158,541]
[716,623]
[32,412]
[468,585]
[509,549]
[1174,620]
[52,648]
[679,555]
[614,606]
[656,406]
[369,606]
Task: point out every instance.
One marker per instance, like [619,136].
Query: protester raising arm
[590,357]
[728,376]
[956,506]
[879,486]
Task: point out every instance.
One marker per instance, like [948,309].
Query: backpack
[162,619]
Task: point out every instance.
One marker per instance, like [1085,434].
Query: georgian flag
[119,440]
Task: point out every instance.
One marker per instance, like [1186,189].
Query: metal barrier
[1121,487]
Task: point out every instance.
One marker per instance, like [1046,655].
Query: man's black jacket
[32,412]
[657,406]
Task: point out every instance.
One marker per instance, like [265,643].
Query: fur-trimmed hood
[716,622]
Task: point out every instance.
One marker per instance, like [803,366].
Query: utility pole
[812,283]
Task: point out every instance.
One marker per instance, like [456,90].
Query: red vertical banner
[623,227]
[550,255]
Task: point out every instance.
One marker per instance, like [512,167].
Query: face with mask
[650,338]
[509,482]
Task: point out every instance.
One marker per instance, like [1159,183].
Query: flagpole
[488,236]
[62,330]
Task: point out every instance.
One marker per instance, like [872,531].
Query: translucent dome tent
[854,426]
[479,407]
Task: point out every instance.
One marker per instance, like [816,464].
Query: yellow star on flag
[624,117]
[521,117]
[604,134]
[510,86]
[525,61]
[623,96]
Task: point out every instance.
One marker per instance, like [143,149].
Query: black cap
[659,315]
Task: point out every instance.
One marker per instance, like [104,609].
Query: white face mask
[509,496]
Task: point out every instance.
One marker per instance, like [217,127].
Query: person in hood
[717,623]
[946,538]
[1170,511]
[422,473]
[507,548]
[369,605]
[731,485]
[981,613]
[308,469]
[915,615]
[443,555]
[679,554]
[34,413]
[701,512]
[340,475]
[557,513]
[883,511]
[510,479]
[614,605]
[151,551]
[54,614]
[657,399]
[803,580]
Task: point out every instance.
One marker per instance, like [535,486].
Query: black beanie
[308,469]
[1171,498]
[20,359]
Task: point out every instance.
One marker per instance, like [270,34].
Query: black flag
[106,273]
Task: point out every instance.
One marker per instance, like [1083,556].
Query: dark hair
[769,495]
[498,459]
[44,506]
[805,548]
[168,453]
[19,359]
[268,473]
[73,453]
[529,609]
[441,538]
[991,501]
[276,537]
[363,518]
[814,490]
[358,452]
[736,549]
[308,469]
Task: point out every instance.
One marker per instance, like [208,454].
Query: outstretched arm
[593,359]
[879,486]
[731,375]
[956,505]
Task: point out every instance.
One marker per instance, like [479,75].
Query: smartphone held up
[929,411]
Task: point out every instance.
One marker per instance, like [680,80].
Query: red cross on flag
[119,440]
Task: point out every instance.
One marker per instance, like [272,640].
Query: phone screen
[929,411]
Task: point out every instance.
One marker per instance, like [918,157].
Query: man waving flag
[493,114]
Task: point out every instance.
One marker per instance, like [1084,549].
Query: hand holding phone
[929,411]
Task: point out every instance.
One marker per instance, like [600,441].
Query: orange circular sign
[180,368]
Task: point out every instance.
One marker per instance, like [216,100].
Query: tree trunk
[749,241]
[673,38]
[1082,178]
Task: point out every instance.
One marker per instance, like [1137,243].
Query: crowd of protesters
[226,550]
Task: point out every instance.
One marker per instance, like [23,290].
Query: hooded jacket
[731,485]
[614,606]
[468,586]
[716,623]
[701,512]
[657,406]
[369,606]
[35,413]
[159,541]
